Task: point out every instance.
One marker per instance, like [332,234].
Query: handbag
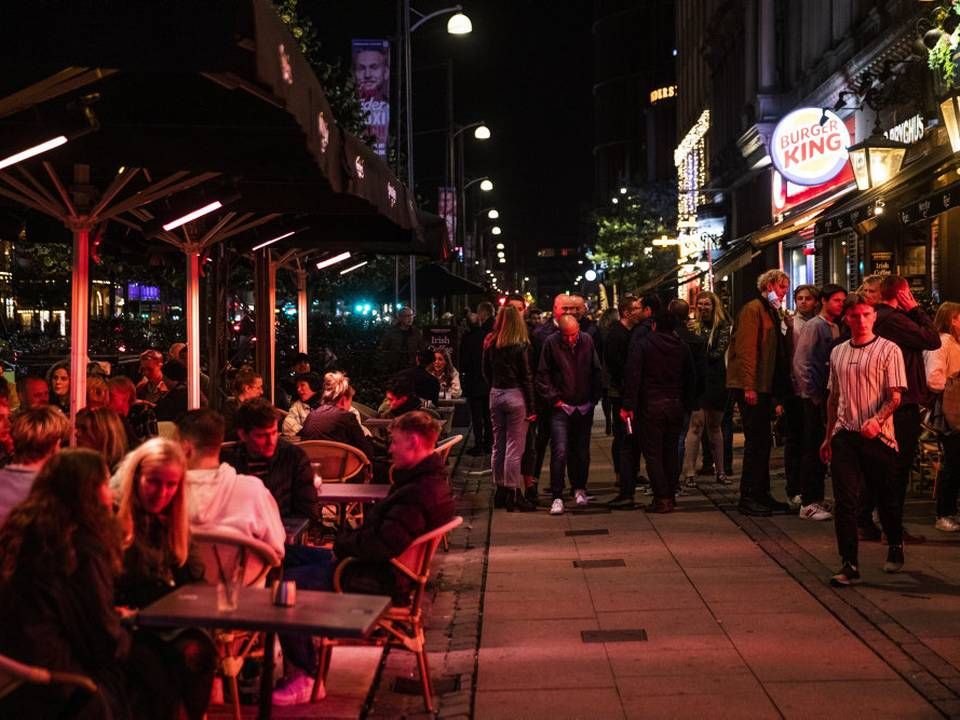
[950,403]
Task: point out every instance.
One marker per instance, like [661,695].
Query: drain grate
[580,533]
[441,686]
[612,636]
[589,564]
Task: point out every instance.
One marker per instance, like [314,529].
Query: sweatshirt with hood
[224,498]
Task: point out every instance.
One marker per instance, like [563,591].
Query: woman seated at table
[60,551]
[158,557]
[102,430]
[444,371]
[310,394]
[333,419]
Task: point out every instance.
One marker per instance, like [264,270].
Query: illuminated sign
[809,146]
[662,94]
[907,132]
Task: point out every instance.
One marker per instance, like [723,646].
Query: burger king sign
[807,151]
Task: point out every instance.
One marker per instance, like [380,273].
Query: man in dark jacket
[660,388]
[614,360]
[568,382]
[475,388]
[425,385]
[401,342]
[901,320]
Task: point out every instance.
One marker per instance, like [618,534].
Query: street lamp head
[590,275]
[459,24]
[615,200]
[493,214]
[503,260]
[496,230]
[500,246]
[486,185]
[481,132]
[623,191]
[501,254]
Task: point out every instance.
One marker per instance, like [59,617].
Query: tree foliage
[625,230]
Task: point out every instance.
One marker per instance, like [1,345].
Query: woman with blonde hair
[333,418]
[943,367]
[506,368]
[102,430]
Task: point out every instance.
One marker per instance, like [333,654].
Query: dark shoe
[622,502]
[723,479]
[869,533]
[521,504]
[531,494]
[894,561]
[500,497]
[661,506]
[774,505]
[848,575]
[728,470]
[749,506]
[609,428]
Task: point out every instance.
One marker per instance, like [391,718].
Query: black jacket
[425,385]
[913,332]
[328,422]
[660,367]
[471,361]
[615,355]
[509,367]
[288,476]
[570,375]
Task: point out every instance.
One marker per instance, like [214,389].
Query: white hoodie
[222,498]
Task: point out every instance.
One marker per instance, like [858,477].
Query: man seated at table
[219,497]
[419,501]
[425,384]
[283,468]
[38,434]
[401,398]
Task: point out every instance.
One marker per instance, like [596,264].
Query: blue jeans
[312,569]
[508,412]
[569,449]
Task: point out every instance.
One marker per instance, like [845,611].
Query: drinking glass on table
[229,580]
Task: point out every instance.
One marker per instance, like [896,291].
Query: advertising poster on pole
[371,70]
[447,209]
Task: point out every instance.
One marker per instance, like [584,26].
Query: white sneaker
[795,502]
[815,511]
[645,489]
[556,507]
[947,524]
[295,691]
[580,497]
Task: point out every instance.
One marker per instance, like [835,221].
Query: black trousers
[542,440]
[480,417]
[793,444]
[755,477]
[662,422]
[859,464]
[812,471]
[949,481]
[906,427]
[528,462]
[619,430]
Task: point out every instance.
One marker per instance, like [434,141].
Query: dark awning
[930,205]
[434,280]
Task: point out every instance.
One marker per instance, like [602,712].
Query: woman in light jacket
[942,365]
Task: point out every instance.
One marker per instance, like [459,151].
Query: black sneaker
[749,506]
[774,505]
[868,533]
[531,494]
[848,575]
[622,502]
[894,559]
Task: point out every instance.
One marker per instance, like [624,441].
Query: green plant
[940,57]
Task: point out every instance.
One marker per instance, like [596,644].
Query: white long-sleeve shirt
[942,362]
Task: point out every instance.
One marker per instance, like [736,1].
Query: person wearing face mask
[758,371]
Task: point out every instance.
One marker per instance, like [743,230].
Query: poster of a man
[371,70]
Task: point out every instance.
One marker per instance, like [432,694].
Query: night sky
[526,70]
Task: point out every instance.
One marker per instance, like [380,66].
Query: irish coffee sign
[809,146]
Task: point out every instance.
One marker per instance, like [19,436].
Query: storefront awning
[930,205]
[740,254]
[793,225]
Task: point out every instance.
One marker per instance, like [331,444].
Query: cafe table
[295,528]
[344,494]
[326,614]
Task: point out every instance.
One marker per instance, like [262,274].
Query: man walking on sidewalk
[617,344]
[811,370]
[758,372]
[568,382]
[867,378]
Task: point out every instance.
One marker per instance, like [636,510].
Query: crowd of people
[92,534]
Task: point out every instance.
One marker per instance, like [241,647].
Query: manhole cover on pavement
[578,533]
[441,686]
[611,636]
[588,564]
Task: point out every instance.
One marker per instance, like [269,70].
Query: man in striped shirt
[867,377]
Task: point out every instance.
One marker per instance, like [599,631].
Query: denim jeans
[704,422]
[508,412]
[312,569]
[812,470]
[662,422]
[569,449]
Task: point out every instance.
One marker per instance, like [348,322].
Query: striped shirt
[863,375]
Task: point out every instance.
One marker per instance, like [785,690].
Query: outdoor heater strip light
[332,261]
[354,267]
[200,212]
[271,242]
[35,150]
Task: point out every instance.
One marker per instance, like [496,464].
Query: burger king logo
[807,151]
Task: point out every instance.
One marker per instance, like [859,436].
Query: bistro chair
[167,430]
[400,627]
[335,462]
[443,449]
[218,547]
[13,674]
[365,410]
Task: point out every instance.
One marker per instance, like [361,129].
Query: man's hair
[854,299]
[425,356]
[24,382]
[417,422]
[245,377]
[152,356]
[122,385]
[204,428]
[175,371]
[625,302]
[829,290]
[486,307]
[36,432]
[651,302]
[891,285]
[812,289]
[872,280]
[302,358]
[256,414]
[679,309]
[401,386]
[770,277]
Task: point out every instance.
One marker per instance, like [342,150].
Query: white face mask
[773,299]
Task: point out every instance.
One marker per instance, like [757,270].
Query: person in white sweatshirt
[219,497]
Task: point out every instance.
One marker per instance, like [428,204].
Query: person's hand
[532,417]
[871,428]
[558,403]
[626,415]
[778,410]
[750,396]
[906,300]
[125,612]
[826,452]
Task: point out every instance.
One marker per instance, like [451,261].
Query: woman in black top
[506,368]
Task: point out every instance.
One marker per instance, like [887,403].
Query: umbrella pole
[265,279]
[79,309]
[193,326]
[302,310]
